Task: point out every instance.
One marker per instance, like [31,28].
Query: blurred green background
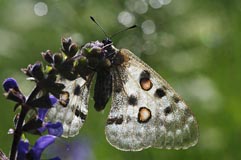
[193,44]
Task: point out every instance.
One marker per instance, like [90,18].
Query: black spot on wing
[132,100]
[115,120]
[80,114]
[145,74]
[77,90]
[168,110]
[160,93]
[77,112]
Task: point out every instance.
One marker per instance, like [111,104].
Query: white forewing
[146,111]
[73,115]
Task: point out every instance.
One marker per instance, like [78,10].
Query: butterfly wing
[146,111]
[72,107]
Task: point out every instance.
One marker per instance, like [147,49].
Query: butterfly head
[102,55]
[98,54]
[107,41]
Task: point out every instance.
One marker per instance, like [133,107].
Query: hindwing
[72,107]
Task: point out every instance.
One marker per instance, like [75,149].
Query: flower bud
[47,56]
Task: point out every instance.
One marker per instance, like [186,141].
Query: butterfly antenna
[134,26]
[92,18]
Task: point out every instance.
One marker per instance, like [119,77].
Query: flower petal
[36,71]
[22,149]
[42,143]
[42,113]
[42,129]
[53,99]
[76,148]
[55,129]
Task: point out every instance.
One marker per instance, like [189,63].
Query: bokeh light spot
[40,9]
[148,27]
[165,2]
[126,18]
[141,7]
[158,3]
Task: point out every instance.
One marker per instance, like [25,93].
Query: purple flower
[55,129]
[76,148]
[36,151]
[36,71]
[42,111]
[23,148]
[13,93]
[53,100]
[38,126]
[10,83]
[40,145]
